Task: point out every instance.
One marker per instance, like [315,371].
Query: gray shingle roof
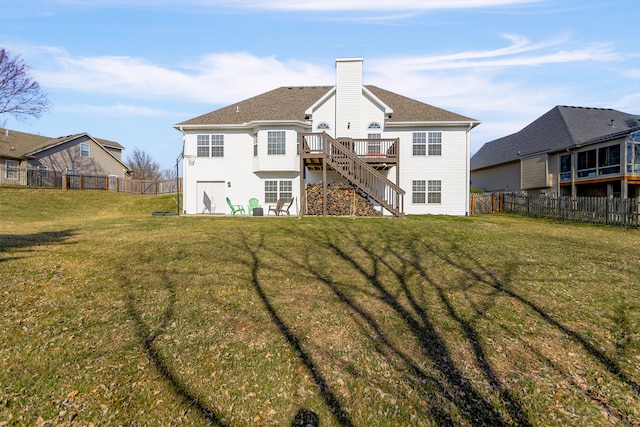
[290,103]
[560,128]
[14,144]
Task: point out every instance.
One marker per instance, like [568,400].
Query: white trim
[319,102]
[432,124]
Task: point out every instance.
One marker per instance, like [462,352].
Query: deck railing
[343,159]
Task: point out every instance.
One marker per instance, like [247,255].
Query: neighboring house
[79,154]
[569,151]
[407,157]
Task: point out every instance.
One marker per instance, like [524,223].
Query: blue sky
[128,70]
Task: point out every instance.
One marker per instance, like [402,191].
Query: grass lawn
[111,316]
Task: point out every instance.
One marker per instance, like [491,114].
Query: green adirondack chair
[253,203]
[235,208]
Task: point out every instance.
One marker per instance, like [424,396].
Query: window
[44,171]
[419,143]
[373,147]
[323,126]
[71,171]
[203,146]
[565,167]
[255,144]
[274,190]
[633,153]
[276,143]
[210,145]
[435,143]
[84,150]
[217,145]
[11,169]
[609,160]
[419,189]
[286,190]
[374,125]
[270,191]
[586,163]
[434,192]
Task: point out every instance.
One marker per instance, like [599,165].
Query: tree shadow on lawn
[331,400]
[148,338]
[400,278]
[368,259]
[9,242]
[456,389]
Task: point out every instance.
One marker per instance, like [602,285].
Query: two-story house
[568,151]
[405,156]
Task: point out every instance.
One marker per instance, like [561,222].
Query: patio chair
[253,203]
[288,207]
[277,208]
[235,208]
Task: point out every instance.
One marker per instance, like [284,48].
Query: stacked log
[342,200]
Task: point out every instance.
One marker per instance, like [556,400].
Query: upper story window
[427,143]
[609,160]
[276,142]
[323,126]
[217,145]
[84,150]
[633,153]
[255,144]
[374,125]
[565,167]
[435,143]
[210,146]
[587,164]
[419,143]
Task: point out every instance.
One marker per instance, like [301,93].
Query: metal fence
[38,178]
[595,210]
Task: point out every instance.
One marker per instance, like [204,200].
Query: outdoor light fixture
[348,125]
[229,184]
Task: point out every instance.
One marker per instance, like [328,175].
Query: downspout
[180,157]
[468,171]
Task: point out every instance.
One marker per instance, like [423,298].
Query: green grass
[113,316]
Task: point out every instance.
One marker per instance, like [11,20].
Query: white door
[211,196]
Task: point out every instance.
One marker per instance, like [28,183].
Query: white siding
[236,170]
[450,168]
[348,98]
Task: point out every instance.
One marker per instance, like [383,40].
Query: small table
[258,212]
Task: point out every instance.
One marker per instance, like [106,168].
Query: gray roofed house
[568,150]
[79,154]
[277,144]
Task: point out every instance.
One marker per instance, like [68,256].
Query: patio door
[210,196]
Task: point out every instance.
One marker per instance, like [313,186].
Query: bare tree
[143,166]
[20,94]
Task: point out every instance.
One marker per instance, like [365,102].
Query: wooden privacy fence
[595,210]
[37,178]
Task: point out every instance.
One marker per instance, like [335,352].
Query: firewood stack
[342,200]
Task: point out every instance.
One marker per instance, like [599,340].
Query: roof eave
[472,123]
[247,125]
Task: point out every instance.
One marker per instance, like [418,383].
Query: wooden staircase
[340,158]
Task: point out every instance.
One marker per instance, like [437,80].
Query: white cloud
[116,110]
[214,78]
